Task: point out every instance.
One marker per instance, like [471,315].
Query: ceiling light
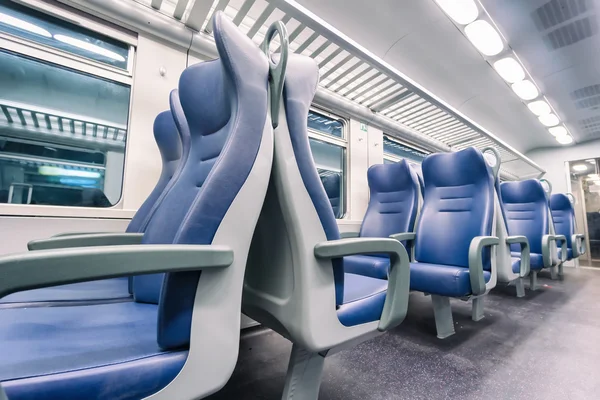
[89,47]
[558,131]
[59,171]
[549,120]
[591,161]
[484,37]
[565,139]
[24,25]
[461,11]
[525,90]
[510,70]
[593,177]
[580,167]
[539,107]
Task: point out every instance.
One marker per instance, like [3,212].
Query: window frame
[339,142]
[396,158]
[47,54]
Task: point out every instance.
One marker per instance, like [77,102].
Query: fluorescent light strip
[484,37]
[461,11]
[24,25]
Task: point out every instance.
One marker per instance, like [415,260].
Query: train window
[63,122]
[329,151]
[394,151]
[25,23]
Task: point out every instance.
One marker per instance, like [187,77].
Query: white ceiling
[417,38]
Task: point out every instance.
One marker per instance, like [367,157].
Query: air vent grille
[571,33]
[556,12]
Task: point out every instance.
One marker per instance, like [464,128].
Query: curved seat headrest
[527,191]
[560,201]
[392,177]
[167,137]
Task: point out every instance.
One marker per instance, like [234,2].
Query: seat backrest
[169,142]
[563,216]
[458,206]
[331,183]
[217,197]
[526,211]
[393,202]
[419,177]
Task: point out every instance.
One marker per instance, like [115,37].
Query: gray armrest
[563,245]
[476,261]
[578,244]
[404,236]
[86,240]
[546,256]
[57,267]
[525,253]
[78,233]
[346,235]
[396,301]
[2,394]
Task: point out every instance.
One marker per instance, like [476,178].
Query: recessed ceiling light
[565,139]
[593,177]
[549,120]
[24,25]
[525,90]
[461,11]
[539,107]
[89,47]
[558,131]
[579,167]
[591,161]
[484,37]
[509,69]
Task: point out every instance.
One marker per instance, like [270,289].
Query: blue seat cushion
[106,351]
[536,261]
[516,264]
[442,280]
[371,266]
[106,289]
[569,254]
[364,298]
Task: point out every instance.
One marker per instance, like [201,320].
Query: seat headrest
[391,177]
[527,191]
[560,201]
[331,183]
[167,137]
[463,167]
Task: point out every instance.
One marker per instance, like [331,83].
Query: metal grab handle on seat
[276,70]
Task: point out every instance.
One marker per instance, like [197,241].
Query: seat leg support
[533,285]
[553,273]
[477,311]
[520,287]
[561,270]
[304,374]
[442,312]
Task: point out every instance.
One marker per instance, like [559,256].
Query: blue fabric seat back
[394,200]
[526,211]
[224,103]
[302,78]
[331,183]
[563,216]
[169,143]
[419,177]
[458,206]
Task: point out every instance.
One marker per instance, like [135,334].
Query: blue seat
[295,282]
[130,350]
[169,142]
[331,183]
[563,216]
[526,210]
[393,207]
[454,234]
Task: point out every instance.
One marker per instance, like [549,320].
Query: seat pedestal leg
[561,270]
[520,287]
[477,311]
[553,273]
[304,374]
[533,280]
[442,311]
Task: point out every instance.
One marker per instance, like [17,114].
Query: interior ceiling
[417,38]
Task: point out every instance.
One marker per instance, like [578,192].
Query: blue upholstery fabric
[331,183]
[300,86]
[536,260]
[364,298]
[95,290]
[225,106]
[420,178]
[103,352]
[367,265]
[516,265]
[563,216]
[443,280]
[526,211]
[458,206]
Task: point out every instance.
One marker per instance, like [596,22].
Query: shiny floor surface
[543,346]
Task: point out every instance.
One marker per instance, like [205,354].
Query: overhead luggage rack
[379,94]
[27,121]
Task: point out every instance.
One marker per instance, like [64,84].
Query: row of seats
[240,221]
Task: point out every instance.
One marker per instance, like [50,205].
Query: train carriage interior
[299,199]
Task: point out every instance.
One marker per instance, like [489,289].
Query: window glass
[323,124]
[44,29]
[62,135]
[330,161]
[399,150]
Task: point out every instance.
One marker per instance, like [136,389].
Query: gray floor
[544,346]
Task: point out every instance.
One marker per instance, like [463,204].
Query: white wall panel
[358,163]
